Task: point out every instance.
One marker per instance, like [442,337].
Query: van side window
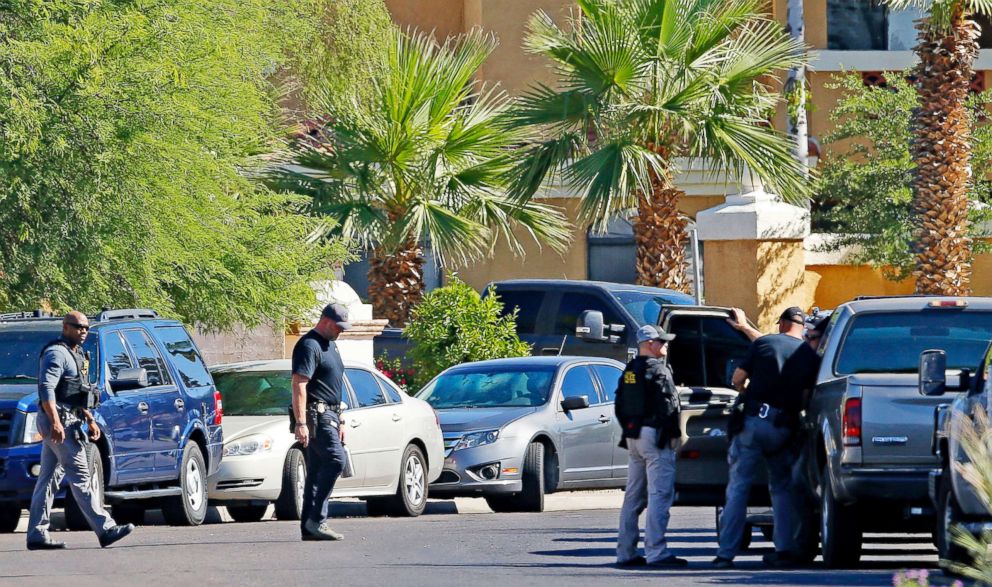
[184,356]
[528,305]
[574,303]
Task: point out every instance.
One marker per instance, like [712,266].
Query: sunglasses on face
[78,326]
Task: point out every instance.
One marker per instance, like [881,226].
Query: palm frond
[540,161]
[610,177]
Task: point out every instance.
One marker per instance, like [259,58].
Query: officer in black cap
[771,406]
[318,384]
[647,407]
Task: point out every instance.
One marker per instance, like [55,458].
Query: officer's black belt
[763,411]
[321,406]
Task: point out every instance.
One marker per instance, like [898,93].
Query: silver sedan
[515,429]
[394,441]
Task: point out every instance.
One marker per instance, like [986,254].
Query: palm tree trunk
[659,233]
[942,151]
[396,282]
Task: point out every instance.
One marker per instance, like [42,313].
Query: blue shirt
[318,359]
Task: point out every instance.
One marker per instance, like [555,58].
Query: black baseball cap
[793,314]
[339,314]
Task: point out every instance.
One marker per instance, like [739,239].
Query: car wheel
[247,513]
[948,515]
[74,518]
[10,516]
[501,503]
[840,535]
[126,513]
[411,492]
[289,506]
[531,498]
[190,507]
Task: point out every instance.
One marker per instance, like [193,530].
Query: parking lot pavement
[571,547]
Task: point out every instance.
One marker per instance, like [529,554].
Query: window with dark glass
[148,357]
[367,390]
[609,379]
[528,305]
[573,304]
[391,391]
[184,356]
[116,355]
[857,25]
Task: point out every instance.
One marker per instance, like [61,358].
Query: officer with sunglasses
[65,398]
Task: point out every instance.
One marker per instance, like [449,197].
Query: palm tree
[643,85]
[941,147]
[425,160]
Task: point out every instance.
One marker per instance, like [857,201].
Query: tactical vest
[632,401]
[75,392]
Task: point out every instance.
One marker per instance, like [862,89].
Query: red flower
[410,372]
[388,374]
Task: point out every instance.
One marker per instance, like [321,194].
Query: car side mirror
[933,373]
[575,403]
[128,379]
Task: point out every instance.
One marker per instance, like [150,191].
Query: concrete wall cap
[753,216]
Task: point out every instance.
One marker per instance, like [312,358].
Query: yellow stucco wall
[763,278]
[444,17]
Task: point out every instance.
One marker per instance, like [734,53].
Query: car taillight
[852,422]
[218,408]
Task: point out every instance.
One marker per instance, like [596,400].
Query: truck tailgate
[897,422]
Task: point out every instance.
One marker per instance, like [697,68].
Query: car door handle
[605,419]
[355,423]
[397,417]
[180,405]
[143,407]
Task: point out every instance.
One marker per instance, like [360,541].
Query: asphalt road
[565,547]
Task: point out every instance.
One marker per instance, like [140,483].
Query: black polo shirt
[770,372]
[318,359]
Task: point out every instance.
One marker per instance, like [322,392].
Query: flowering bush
[405,377]
[918,578]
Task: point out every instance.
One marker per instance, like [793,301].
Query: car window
[528,305]
[488,386]
[115,354]
[255,393]
[20,352]
[578,382]
[574,303]
[706,350]
[609,378]
[891,342]
[391,391]
[148,357]
[367,390]
[184,356]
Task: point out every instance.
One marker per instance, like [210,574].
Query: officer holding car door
[647,407]
[318,388]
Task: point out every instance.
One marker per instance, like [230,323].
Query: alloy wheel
[414,480]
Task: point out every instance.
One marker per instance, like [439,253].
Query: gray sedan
[515,429]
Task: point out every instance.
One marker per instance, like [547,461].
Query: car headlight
[249,445]
[474,439]
[31,434]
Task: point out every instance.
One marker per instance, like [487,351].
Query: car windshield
[645,306]
[891,342]
[492,387]
[20,352]
[255,393]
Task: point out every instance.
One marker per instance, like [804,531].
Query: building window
[856,25]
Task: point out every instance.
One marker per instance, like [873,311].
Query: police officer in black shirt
[318,383]
[771,406]
[647,408]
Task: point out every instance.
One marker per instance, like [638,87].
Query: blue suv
[160,415]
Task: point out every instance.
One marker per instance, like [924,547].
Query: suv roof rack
[897,296]
[34,315]
[106,315]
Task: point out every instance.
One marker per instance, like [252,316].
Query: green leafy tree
[425,159]
[454,325]
[864,195]
[128,135]
[645,84]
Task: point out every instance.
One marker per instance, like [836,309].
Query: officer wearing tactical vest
[647,407]
[65,398]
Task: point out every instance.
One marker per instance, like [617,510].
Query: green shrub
[453,325]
